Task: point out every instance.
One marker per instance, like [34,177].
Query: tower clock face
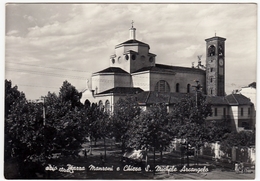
[221,62]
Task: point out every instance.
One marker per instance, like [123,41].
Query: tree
[32,135]
[12,97]
[99,124]
[23,136]
[125,111]
[12,94]
[93,113]
[152,130]
[218,129]
[190,115]
[190,118]
[68,93]
[103,126]
[65,116]
[242,138]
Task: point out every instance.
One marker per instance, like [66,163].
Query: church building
[133,70]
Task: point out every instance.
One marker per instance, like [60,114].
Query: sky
[46,44]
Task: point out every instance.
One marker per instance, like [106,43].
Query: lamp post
[197,89]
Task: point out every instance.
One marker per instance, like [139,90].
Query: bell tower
[215,66]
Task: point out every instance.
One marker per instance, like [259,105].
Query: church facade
[133,70]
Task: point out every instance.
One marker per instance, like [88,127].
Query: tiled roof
[217,100]
[231,99]
[175,96]
[158,97]
[168,68]
[152,97]
[238,99]
[113,70]
[123,90]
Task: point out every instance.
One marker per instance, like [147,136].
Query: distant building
[133,71]
[250,92]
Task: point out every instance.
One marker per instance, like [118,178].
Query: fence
[232,154]
[213,151]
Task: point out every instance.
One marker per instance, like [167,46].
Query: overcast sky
[47,44]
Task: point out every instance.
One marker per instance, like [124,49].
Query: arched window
[162,86]
[188,88]
[107,106]
[100,105]
[177,87]
[211,50]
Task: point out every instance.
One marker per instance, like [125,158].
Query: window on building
[211,91]
[211,50]
[188,88]
[242,112]
[107,106]
[162,86]
[224,111]
[249,111]
[211,69]
[211,79]
[216,112]
[177,87]
[100,105]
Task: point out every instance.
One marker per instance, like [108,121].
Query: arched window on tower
[211,50]
[188,88]
[177,87]
[107,106]
[162,86]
